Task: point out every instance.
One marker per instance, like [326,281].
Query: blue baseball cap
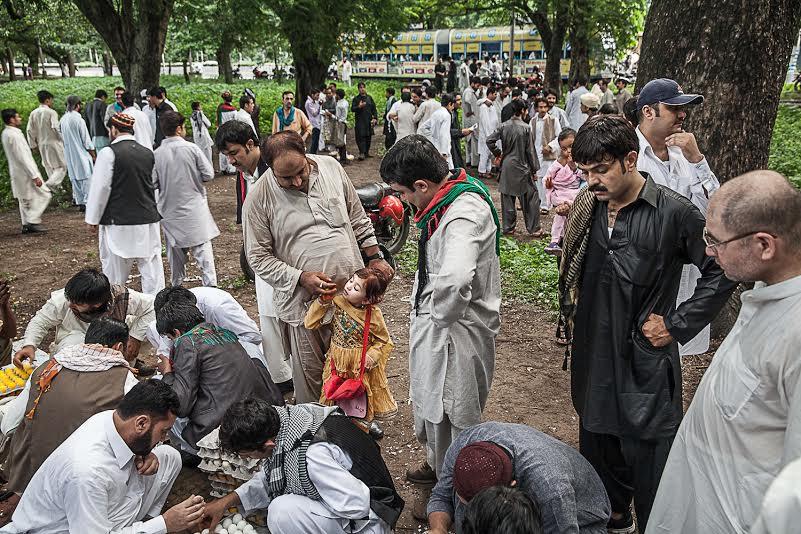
[665,91]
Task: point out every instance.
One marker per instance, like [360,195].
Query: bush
[785,148]
[22,96]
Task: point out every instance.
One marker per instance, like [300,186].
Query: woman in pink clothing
[563,181]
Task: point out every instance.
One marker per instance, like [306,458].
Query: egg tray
[242,474]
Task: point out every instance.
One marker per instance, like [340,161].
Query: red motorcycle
[391,218]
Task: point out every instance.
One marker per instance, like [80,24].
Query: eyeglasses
[711,242]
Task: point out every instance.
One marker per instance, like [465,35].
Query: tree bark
[12,74]
[580,39]
[108,63]
[224,67]
[34,63]
[70,64]
[310,72]
[701,59]
[185,64]
[553,59]
[40,55]
[135,35]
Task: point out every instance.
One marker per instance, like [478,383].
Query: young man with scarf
[626,243]
[321,473]
[87,296]
[457,296]
[76,383]
[225,112]
[288,117]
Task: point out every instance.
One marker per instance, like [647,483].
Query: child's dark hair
[565,133]
[375,284]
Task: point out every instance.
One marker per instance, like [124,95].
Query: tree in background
[318,30]
[135,32]
[737,58]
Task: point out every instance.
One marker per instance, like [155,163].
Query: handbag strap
[365,340]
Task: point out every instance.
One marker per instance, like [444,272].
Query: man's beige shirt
[287,232]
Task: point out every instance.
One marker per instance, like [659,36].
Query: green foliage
[22,96]
[785,147]
[528,274]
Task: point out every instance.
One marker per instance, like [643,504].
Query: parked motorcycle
[391,218]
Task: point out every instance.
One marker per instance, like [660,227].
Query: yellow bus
[414,54]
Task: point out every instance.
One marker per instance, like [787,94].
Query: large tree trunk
[40,55]
[309,73]
[12,74]
[553,60]
[185,65]
[224,68]
[580,39]
[700,58]
[135,35]
[34,63]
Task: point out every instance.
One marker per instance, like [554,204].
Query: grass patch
[237,282]
[528,274]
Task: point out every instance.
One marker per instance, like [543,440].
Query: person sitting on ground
[218,308]
[111,475]
[76,383]
[8,323]
[563,182]
[209,371]
[321,473]
[566,488]
[502,510]
[354,353]
[87,296]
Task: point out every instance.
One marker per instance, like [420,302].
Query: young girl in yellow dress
[346,313]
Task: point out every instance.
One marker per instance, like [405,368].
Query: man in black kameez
[366,115]
[626,242]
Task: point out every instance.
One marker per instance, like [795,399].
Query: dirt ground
[529,386]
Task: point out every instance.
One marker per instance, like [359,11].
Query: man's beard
[88,317]
[142,446]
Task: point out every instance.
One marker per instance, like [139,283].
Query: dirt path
[529,385]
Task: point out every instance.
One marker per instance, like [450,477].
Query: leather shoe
[375,431]
[33,229]
[423,475]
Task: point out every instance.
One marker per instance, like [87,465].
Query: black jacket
[621,384]
[456,140]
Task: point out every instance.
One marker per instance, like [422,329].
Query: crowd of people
[651,246]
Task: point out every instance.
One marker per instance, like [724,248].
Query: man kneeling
[565,487]
[209,372]
[110,475]
[323,473]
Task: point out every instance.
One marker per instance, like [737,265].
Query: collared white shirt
[89,485]
[243,116]
[128,240]
[438,130]
[696,181]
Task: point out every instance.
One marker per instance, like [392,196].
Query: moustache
[598,187]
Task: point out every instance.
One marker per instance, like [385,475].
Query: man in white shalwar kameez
[143,132]
[44,136]
[78,150]
[179,174]
[437,128]
[488,122]
[456,298]
[200,131]
[122,207]
[744,423]
[27,186]
[672,158]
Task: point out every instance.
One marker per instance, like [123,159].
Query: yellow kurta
[347,326]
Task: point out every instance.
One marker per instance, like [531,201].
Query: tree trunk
[135,36]
[34,63]
[309,73]
[185,64]
[580,39]
[12,74]
[40,55]
[71,64]
[553,59]
[108,63]
[700,58]
[224,61]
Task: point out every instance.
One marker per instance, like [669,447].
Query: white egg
[242,524]
[223,531]
[205,531]
[217,529]
[227,522]
[237,518]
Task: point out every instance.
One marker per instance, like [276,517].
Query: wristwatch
[377,256]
